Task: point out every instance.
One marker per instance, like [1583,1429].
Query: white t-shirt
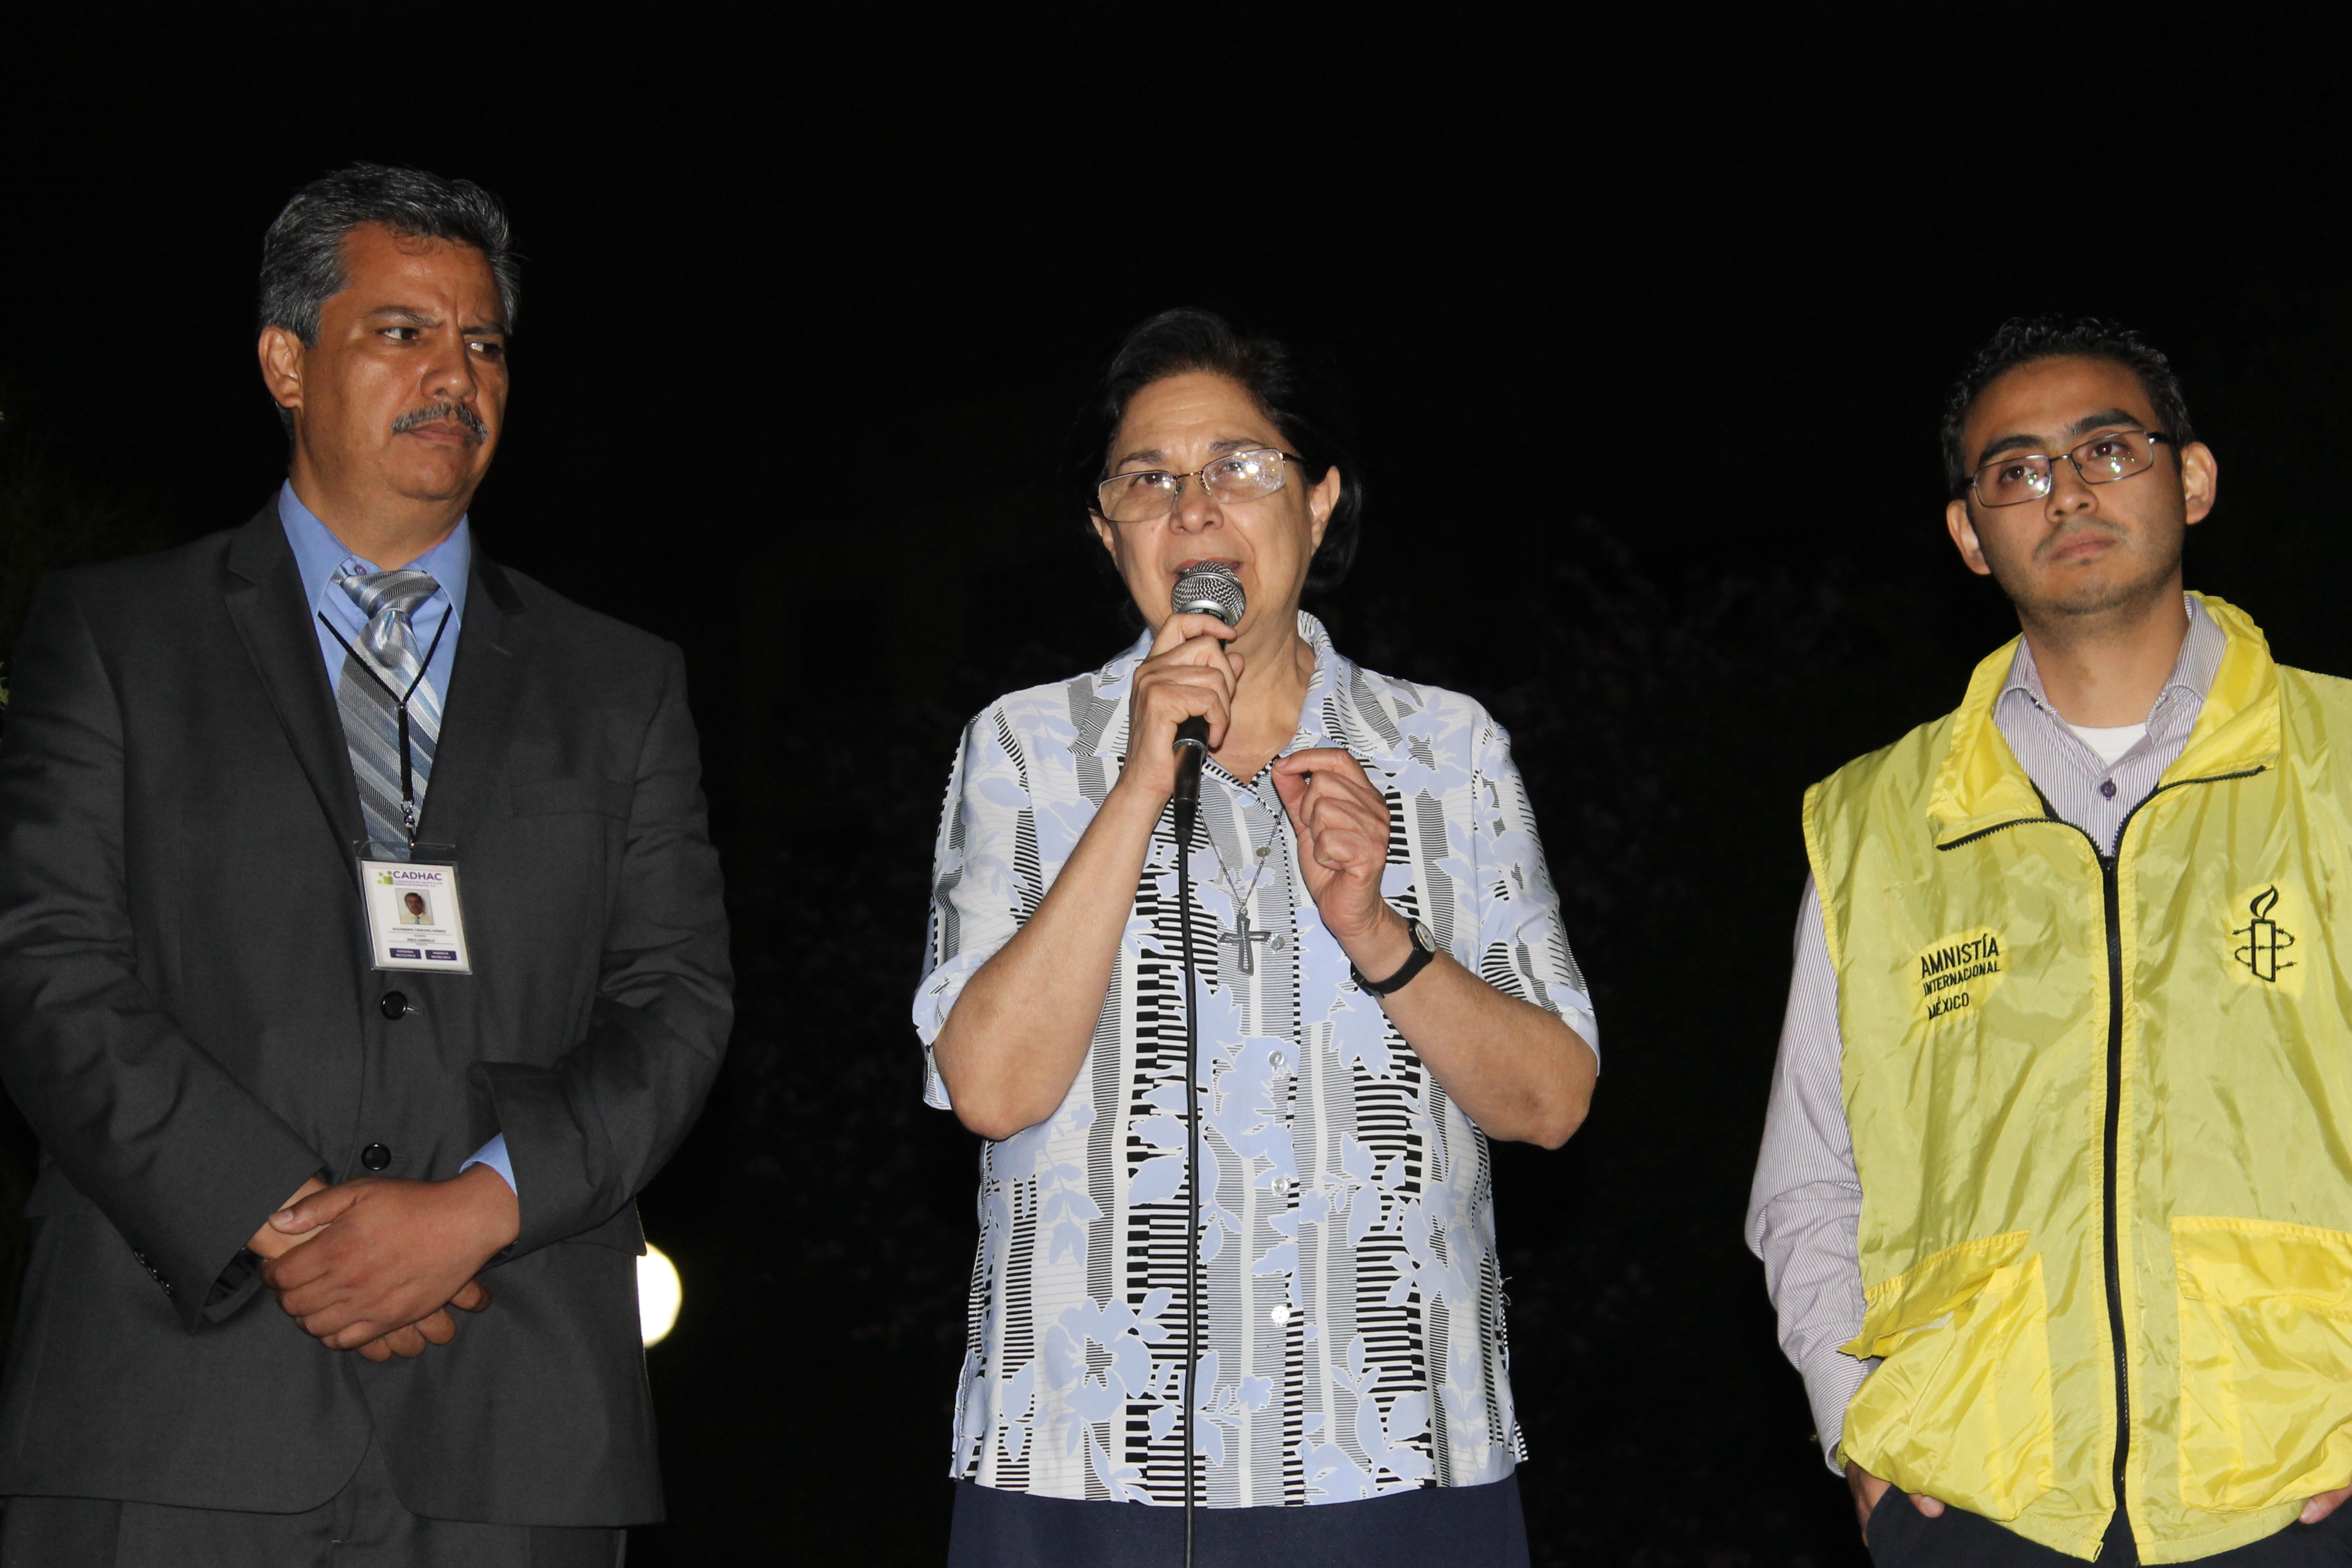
[2111,745]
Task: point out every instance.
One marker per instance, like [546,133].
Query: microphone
[1208,589]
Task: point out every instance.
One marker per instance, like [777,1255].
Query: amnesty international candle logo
[2262,942]
[1958,972]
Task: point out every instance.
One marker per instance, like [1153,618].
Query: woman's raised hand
[1342,824]
[1191,674]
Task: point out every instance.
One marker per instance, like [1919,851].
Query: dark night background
[1647,339]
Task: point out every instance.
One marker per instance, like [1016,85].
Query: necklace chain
[1241,936]
[1225,875]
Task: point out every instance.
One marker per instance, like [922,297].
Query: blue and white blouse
[1353,1315]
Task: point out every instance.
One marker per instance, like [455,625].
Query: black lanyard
[399,701]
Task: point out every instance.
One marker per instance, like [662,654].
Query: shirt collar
[2185,689]
[1340,708]
[318,555]
[2235,724]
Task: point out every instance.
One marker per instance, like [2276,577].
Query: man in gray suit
[283,1130]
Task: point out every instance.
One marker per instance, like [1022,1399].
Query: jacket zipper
[2110,876]
[2111,889]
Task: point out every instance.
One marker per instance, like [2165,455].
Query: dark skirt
[1433,1527]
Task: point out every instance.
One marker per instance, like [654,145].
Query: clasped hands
[1868,1489]
[375,1265]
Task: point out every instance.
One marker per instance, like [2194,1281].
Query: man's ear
[282,355]
[2201,478]
[1963,530]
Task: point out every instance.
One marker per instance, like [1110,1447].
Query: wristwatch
[1424,948]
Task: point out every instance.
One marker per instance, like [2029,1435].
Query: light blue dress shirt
[321,558]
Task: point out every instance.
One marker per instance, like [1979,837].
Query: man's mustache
[457,411]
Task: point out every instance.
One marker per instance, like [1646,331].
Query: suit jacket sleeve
[586,1133]
[170,1146]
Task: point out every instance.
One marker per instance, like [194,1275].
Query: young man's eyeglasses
[1152,494]
[2021,476]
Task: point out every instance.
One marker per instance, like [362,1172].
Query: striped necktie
[387,656]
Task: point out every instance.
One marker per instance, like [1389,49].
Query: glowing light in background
[659,1294]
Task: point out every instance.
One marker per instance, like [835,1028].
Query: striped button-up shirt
[1352,1312]
[1804,1213]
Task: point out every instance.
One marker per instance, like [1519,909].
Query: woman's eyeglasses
[1153,493]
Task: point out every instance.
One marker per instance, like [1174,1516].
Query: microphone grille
[1209,589]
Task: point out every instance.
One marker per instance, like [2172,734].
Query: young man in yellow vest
[2056,1199]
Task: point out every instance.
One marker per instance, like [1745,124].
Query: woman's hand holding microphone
[1190,674]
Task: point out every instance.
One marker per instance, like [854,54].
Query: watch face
[1425,936]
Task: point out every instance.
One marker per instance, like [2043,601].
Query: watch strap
[1423,950]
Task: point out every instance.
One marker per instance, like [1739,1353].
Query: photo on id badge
[414,918]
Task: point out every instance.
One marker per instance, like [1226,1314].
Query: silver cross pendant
[1241,936]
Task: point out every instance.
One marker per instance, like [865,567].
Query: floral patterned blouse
[1353,1342]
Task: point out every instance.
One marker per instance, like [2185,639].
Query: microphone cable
[1187,809]
[1208,587]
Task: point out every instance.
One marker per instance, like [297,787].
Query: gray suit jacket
[190,1022]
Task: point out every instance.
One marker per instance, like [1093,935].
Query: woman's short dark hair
[1296,394]
[2025,340]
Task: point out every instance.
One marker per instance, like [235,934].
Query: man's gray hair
[302,255]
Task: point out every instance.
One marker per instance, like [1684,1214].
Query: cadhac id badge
[415,918]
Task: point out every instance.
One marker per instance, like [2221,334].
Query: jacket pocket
[623,1232]
[2266,1362]
[1959,1408]
[549,797]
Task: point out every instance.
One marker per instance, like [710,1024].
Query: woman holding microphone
[1379,984]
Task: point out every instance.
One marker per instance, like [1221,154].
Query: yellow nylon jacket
[2102,1112]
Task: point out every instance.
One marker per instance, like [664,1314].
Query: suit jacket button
[375,1156]
[393,1005]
